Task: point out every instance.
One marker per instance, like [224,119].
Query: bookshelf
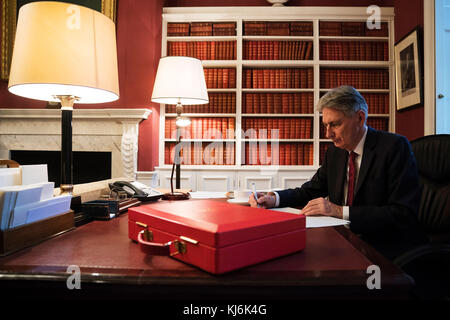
[265,70]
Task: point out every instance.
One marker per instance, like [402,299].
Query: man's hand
[321,206]
[264,200]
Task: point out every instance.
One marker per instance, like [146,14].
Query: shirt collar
[360,146]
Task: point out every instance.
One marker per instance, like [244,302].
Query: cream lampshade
[64,52]
[179,80]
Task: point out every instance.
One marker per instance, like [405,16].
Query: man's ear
[361,116]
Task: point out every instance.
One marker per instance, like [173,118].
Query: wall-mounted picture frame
[9,11]
[408,70]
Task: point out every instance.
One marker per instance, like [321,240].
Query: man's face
[344,131]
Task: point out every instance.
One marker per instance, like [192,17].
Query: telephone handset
[136,190]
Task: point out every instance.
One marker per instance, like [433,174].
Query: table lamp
[180,81]
[64,53]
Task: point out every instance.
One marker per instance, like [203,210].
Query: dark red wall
[408,15]
[139,50]
[139,26]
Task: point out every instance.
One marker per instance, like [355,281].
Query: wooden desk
[333,265]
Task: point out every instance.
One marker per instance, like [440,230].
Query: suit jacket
[387,193]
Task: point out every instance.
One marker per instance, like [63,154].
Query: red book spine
[232,78]
[294,160]
[263,102]
[297,125]
[214,78]
[305,154]
[166,153]
[300,154]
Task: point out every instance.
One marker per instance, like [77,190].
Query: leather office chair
[429,264]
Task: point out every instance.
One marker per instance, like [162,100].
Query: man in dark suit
[368,177]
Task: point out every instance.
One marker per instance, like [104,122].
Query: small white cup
[241,195]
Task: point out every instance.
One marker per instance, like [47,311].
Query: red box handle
[153,248]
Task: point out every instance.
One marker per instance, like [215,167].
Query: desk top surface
[103,251]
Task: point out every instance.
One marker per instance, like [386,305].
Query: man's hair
[345,98]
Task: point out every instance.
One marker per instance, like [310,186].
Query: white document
[6,198]
[34,173]
[47,189]
[24,196]
[39,210]
[50,208]
[207,195]
[324,221]
[288,210]
[315,221]
[9,177]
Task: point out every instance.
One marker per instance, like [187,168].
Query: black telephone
[136,190]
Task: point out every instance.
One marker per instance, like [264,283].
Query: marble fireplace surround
[106,130]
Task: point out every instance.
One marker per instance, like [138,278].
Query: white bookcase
[339,55]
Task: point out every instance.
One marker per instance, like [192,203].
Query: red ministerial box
[215,236]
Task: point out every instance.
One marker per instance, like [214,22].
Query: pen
[254,193]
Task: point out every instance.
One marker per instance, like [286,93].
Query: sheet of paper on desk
[34,173]
[316,221]
[10,177]
[207,195]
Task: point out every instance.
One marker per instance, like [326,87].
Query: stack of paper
[24,204]
[207,195]
[16,196]
[315,221]
[10,177]
[26,196]
[34,173]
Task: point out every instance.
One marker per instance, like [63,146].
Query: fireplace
[87,166]
[109,133]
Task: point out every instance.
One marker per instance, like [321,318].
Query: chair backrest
[433,161]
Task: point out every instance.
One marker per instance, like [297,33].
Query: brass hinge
[146,234]
[180,246]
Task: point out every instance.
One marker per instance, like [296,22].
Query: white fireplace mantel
[110,130]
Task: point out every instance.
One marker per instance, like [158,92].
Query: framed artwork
[9,11]
[408,70]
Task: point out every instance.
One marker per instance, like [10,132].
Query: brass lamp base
[66,189]
[175,196]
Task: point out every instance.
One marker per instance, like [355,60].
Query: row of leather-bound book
[285,103]
[278,28]
[222,153]
[202,128]
[281,50]
[277,78]
[219,102]
[200,153]
[289,154]
[354,50]
[179,29]
[357,78]
[351,28]
[278,128]
[220,77]
[203,50]
[277,50]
